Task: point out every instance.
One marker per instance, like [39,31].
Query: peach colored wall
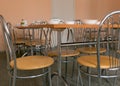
[94,9]
[15,10]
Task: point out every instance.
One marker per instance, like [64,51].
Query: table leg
[59,51]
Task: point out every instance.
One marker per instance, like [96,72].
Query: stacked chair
[86,35]
[107,65]
[19,40]
[37,41]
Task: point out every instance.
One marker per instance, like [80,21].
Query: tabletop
[59,26]
[63,26]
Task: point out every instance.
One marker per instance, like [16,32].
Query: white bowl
[70,22]
[98,22]
[87,21]
[54,21]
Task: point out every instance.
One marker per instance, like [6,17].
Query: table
[63,26]
[59,26]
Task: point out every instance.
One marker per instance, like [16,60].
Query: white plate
[54,21]
[91,21]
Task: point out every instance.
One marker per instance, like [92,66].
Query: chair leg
[66,68]
[14,80]
[89,77]
[79,78]
[49,75]
[44,79]
[73,68]
[99,78]
[99,84]
[10,81]
[115,79]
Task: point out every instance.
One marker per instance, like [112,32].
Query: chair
[19,43]
[38,40]
[86,35]
[106,65]
[25,64]
[19,39]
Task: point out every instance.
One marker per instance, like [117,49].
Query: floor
[4,77]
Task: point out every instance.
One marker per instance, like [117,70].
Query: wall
[94,9]
[85,8]
[15,10]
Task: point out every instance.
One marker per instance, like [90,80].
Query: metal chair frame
[112,46]
[13,72]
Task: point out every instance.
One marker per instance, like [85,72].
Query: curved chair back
[8,41]
[110,41]
[27,63]
[107,64]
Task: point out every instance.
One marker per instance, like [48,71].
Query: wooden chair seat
[32,62]
[118,51]
[20,41]
[64,53]
[90,50]
[35,42]
[91,61]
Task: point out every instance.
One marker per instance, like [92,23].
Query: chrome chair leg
[44,79]
[10,81]
[66,68]
[79,78]
[73,69]
[115,79]
[99,84]
[89,77]
[99,78]
[49,75]
[14,80]
[10,77]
